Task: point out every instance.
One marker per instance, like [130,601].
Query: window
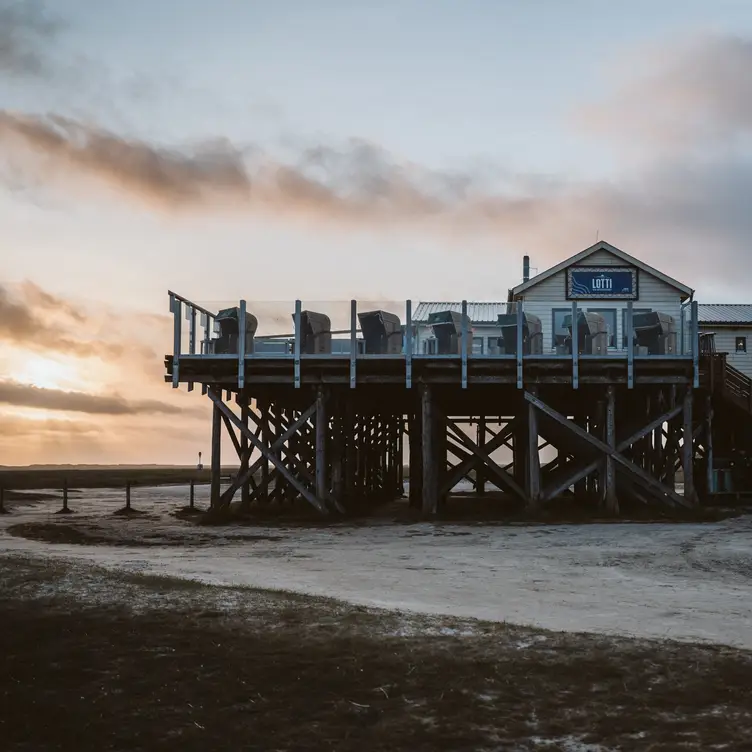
[740,344]
[493,345]
[557,322]
[609,314]
[477,345]
[429,346]
[624,312]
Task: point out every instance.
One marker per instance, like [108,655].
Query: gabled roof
[479,313]
[601,246]
[724,313]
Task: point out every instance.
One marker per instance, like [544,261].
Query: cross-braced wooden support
[328,453]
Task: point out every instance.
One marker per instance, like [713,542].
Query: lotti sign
[598,282]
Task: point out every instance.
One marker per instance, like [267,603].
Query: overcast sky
[329,149]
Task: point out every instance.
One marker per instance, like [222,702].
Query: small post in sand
[65,509]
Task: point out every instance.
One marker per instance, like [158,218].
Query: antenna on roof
[597,235]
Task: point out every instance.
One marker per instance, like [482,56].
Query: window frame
[554,311]
[611,310]
[740,339]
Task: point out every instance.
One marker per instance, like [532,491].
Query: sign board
[602,282]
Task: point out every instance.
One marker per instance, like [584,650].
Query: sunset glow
[49,373]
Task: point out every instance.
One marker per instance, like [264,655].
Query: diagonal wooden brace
[458,472]
[615,453]
[503,477]
[268,454]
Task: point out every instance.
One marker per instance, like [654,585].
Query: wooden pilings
[606,447]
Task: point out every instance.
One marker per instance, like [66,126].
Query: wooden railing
[738,386]
[722,378]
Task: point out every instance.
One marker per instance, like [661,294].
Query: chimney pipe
[525,268]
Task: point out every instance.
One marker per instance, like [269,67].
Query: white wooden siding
[725,341]
[542,298]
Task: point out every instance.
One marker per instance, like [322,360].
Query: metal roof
[724,313]
[479,313]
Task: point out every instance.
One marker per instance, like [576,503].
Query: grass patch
[306,674]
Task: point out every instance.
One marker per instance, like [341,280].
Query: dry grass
[273,671]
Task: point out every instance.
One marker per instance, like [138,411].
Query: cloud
[694,93]
[22,324]
[33,318]
[24,395]
[26,33]
[672,207]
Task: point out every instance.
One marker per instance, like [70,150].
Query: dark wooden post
[430,470]
[709,444]
[128,495]
[688,449]
[65,509]
[440,450]
[416,459]
[533,456]
[610,499]
[580,488]
[245,489]
[401,457]
[520,450]
[266,437]
[3,510]
[216,457]
[672,443]
[480,478]
[191,498]
[321,431]
[338,451]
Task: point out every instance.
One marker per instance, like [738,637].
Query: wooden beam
[532,486]
[709,444]
[270,456]
[430,470]
[504,478]
[480,481]
[216,452]
[628,465]
[233,437]
[688,445]
[321,439]
[244,453]
[610,500]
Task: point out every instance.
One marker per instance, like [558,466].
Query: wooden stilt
[416,459]
[322,487]
[480,478]
[216,455]
[688,446]
[128,495]
[710,482]
[430,470]
[610,499]
[192,497]
[532,487]
[245,455]
[3,510]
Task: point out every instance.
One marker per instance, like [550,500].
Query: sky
[332,150]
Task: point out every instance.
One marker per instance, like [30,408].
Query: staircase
[731,396]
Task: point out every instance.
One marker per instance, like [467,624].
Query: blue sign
[599,282]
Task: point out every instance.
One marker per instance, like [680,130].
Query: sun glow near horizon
[46,372]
